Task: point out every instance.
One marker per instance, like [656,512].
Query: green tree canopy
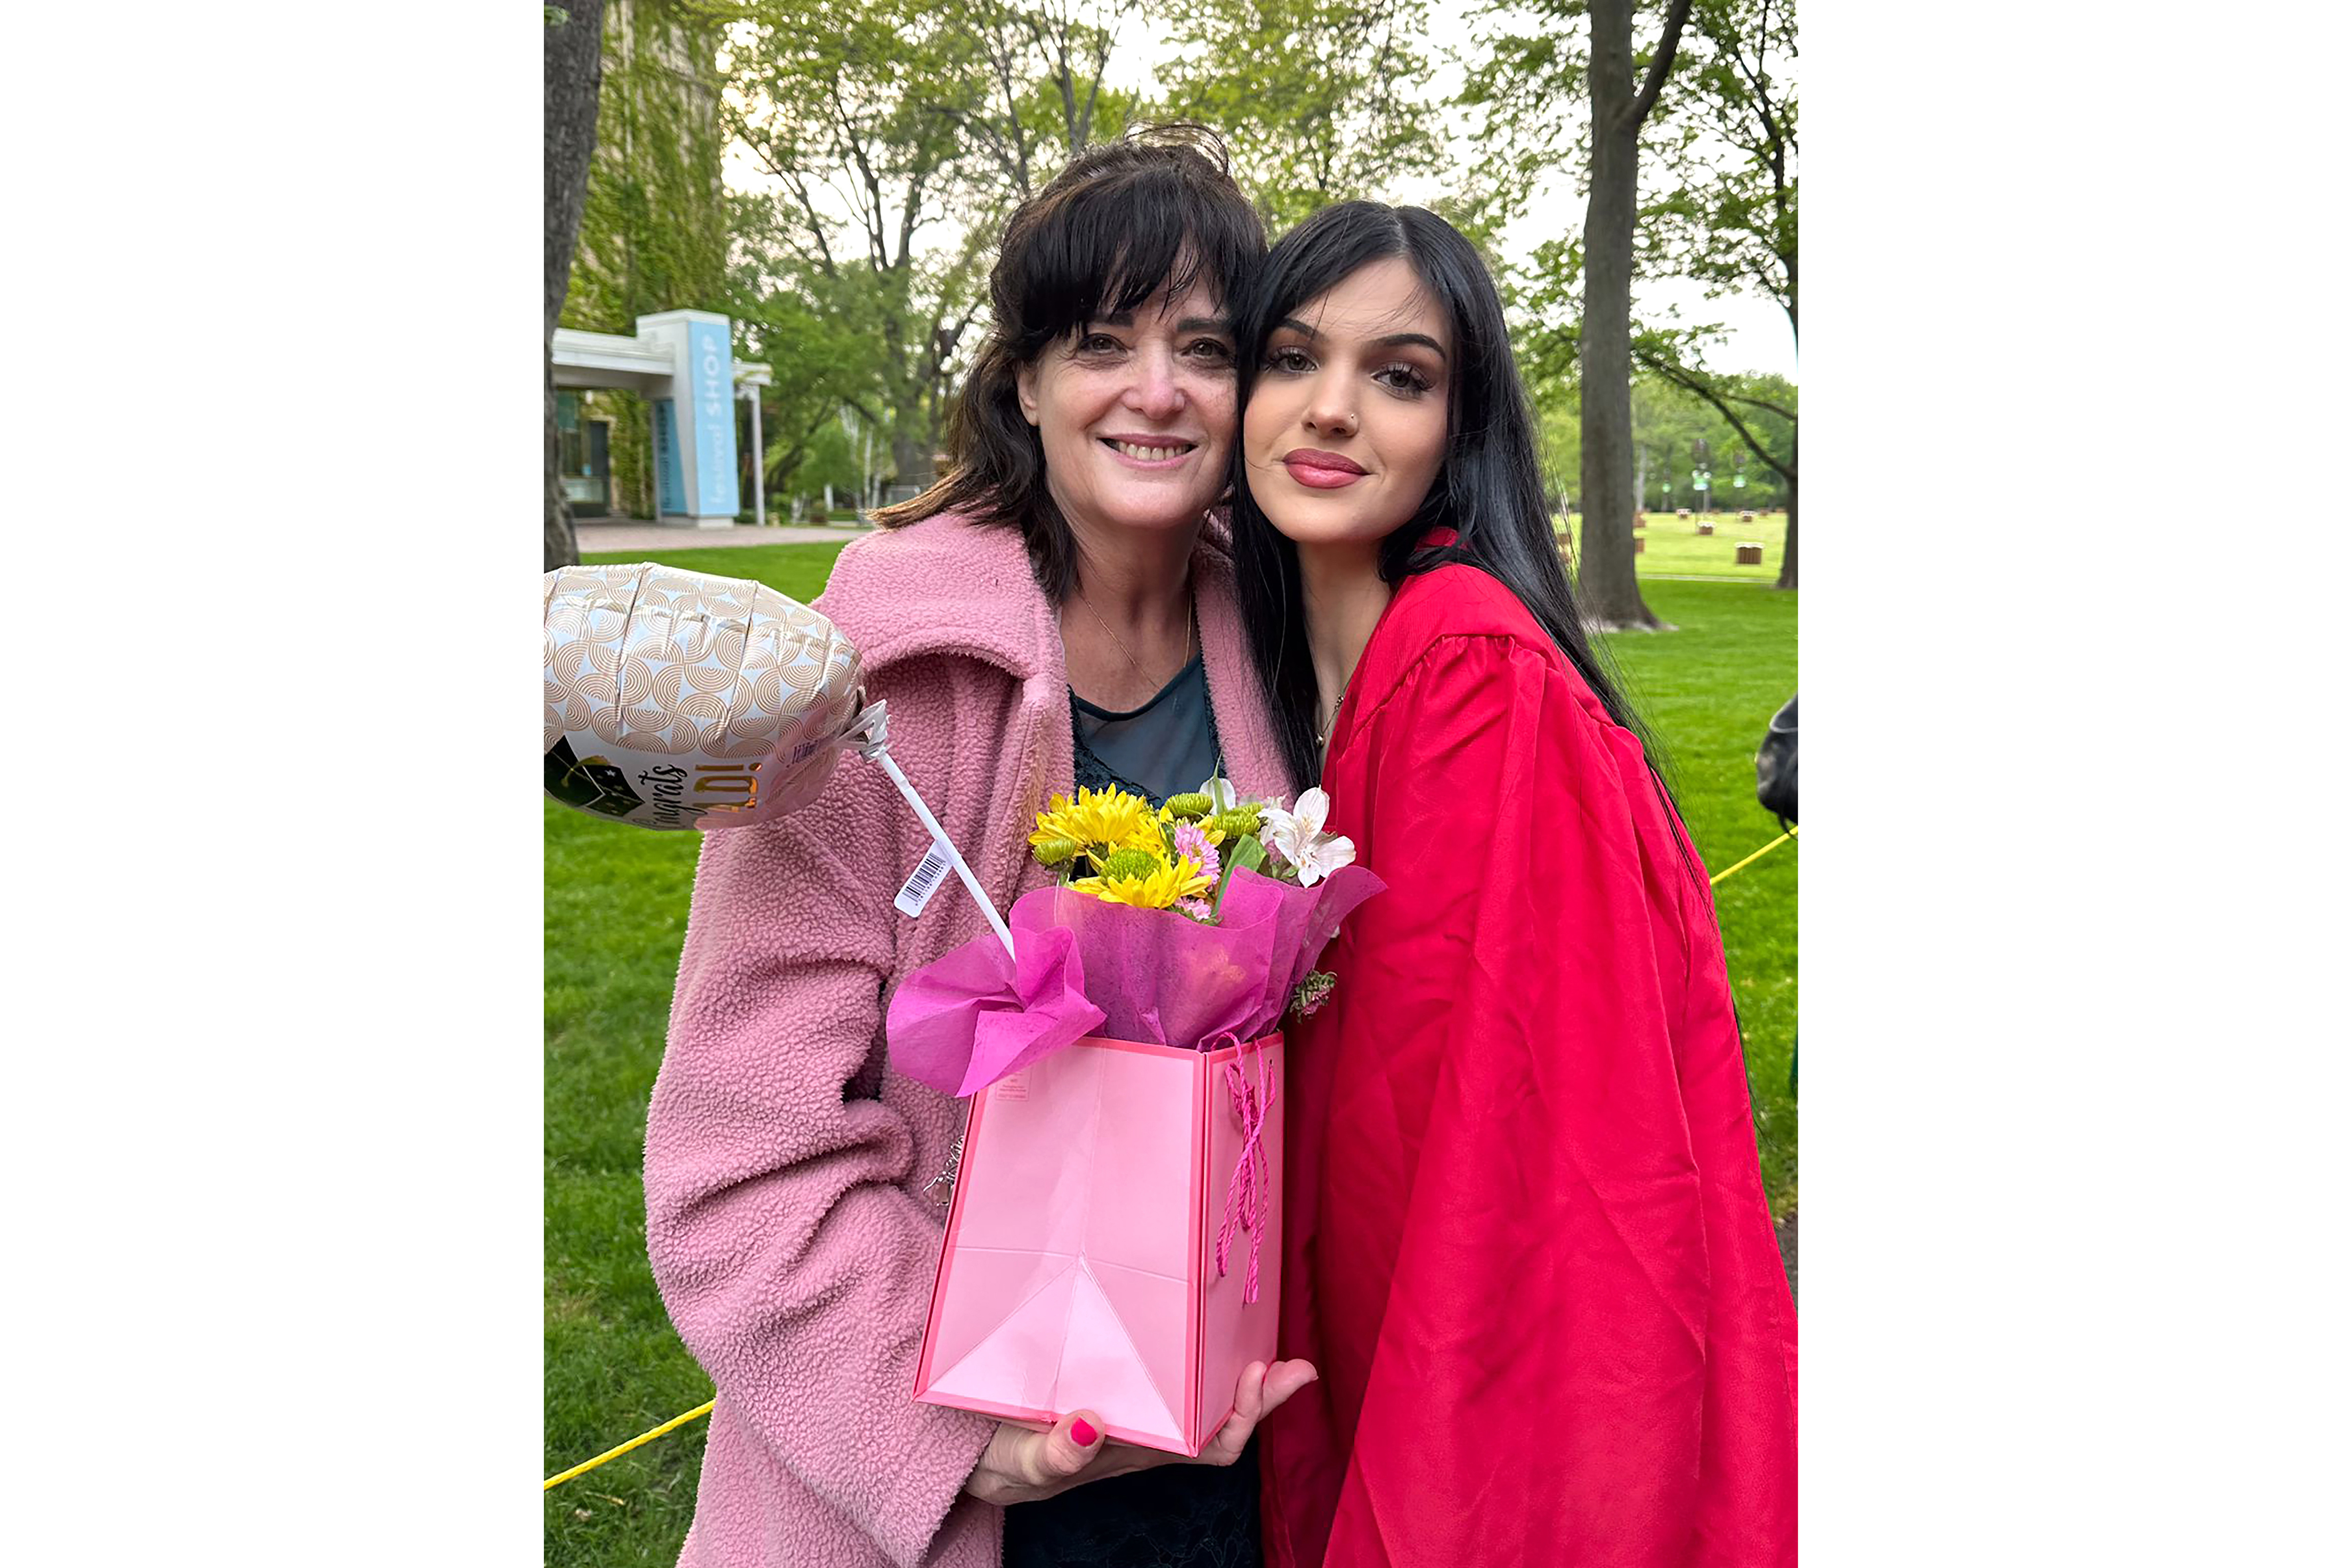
[1319,100]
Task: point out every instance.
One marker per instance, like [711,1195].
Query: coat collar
[949,586]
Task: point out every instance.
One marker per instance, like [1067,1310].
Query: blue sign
[710,372]
[669,473]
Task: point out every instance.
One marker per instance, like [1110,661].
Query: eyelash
[1290,360]
[1199,348]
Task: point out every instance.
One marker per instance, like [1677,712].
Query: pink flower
[1197,907]
[1191,842]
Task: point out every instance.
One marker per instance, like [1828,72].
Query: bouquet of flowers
[1112,845]
[1174,925]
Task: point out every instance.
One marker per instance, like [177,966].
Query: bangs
[1122,242]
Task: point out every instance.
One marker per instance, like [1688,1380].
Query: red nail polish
[1085,1434]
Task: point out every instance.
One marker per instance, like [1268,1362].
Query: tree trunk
[911,456]
[1788,578]
[1608,594]
[574,72]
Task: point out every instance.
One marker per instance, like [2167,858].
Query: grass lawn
[616,915]
[1672,545]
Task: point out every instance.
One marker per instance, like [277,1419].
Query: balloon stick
[875,723]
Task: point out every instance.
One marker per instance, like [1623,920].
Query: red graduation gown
[1526,1239]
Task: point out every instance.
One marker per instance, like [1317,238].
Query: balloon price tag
[917,893]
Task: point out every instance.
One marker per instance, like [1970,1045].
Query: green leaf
[1240,855]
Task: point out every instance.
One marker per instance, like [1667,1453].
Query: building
[679,368]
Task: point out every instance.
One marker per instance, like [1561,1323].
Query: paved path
[597,535]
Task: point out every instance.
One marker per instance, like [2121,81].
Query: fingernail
[1085,1434]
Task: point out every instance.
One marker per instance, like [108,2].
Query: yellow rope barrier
[673,1423]
[700,1410]
[1728,870]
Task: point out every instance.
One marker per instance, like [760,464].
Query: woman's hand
[1023,1466]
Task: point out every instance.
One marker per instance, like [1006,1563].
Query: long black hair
[1120,224]
[1489,487]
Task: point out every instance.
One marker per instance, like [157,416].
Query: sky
[1756,338]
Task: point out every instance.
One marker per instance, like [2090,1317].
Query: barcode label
[918,888]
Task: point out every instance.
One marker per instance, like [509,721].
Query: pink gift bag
[1115,1240]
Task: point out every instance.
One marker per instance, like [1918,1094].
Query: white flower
[1299,835]
[1223,798]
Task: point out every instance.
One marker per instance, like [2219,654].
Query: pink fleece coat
[786,1161]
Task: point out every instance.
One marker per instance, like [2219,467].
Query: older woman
[1056,611]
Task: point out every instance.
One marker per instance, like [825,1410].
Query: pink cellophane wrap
[1087,967]
[976,1014]
[1160,977]
[1115,1237]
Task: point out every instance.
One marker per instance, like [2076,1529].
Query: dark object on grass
[1776,790]
[1776,765]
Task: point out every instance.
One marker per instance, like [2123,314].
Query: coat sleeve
[795,1265]
[1518,1270]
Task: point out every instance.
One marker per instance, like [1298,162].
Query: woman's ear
[1024,384]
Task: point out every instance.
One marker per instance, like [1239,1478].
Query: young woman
[1525,1241]
[1056,611]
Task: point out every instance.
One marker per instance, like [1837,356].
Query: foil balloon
[680,699]
[676,700]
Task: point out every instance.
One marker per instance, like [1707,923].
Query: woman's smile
[1151,451]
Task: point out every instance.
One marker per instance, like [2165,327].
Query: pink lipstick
[1321,471]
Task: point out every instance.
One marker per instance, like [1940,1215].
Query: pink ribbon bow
[1245,1194]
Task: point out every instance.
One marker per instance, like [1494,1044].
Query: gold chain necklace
[1323,736]
[1148,683]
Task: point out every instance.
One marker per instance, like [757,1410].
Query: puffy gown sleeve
[1515,1279]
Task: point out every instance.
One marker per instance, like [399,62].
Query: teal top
[1168,746]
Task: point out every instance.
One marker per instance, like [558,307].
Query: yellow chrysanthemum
[1053,822]
[1157,890]
[1104,818]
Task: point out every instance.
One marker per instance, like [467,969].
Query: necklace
[1148,683]
[1323,732]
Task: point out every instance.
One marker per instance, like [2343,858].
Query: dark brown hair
[1120,224]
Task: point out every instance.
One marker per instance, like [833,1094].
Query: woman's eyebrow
[1393,340]
[1411,340]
